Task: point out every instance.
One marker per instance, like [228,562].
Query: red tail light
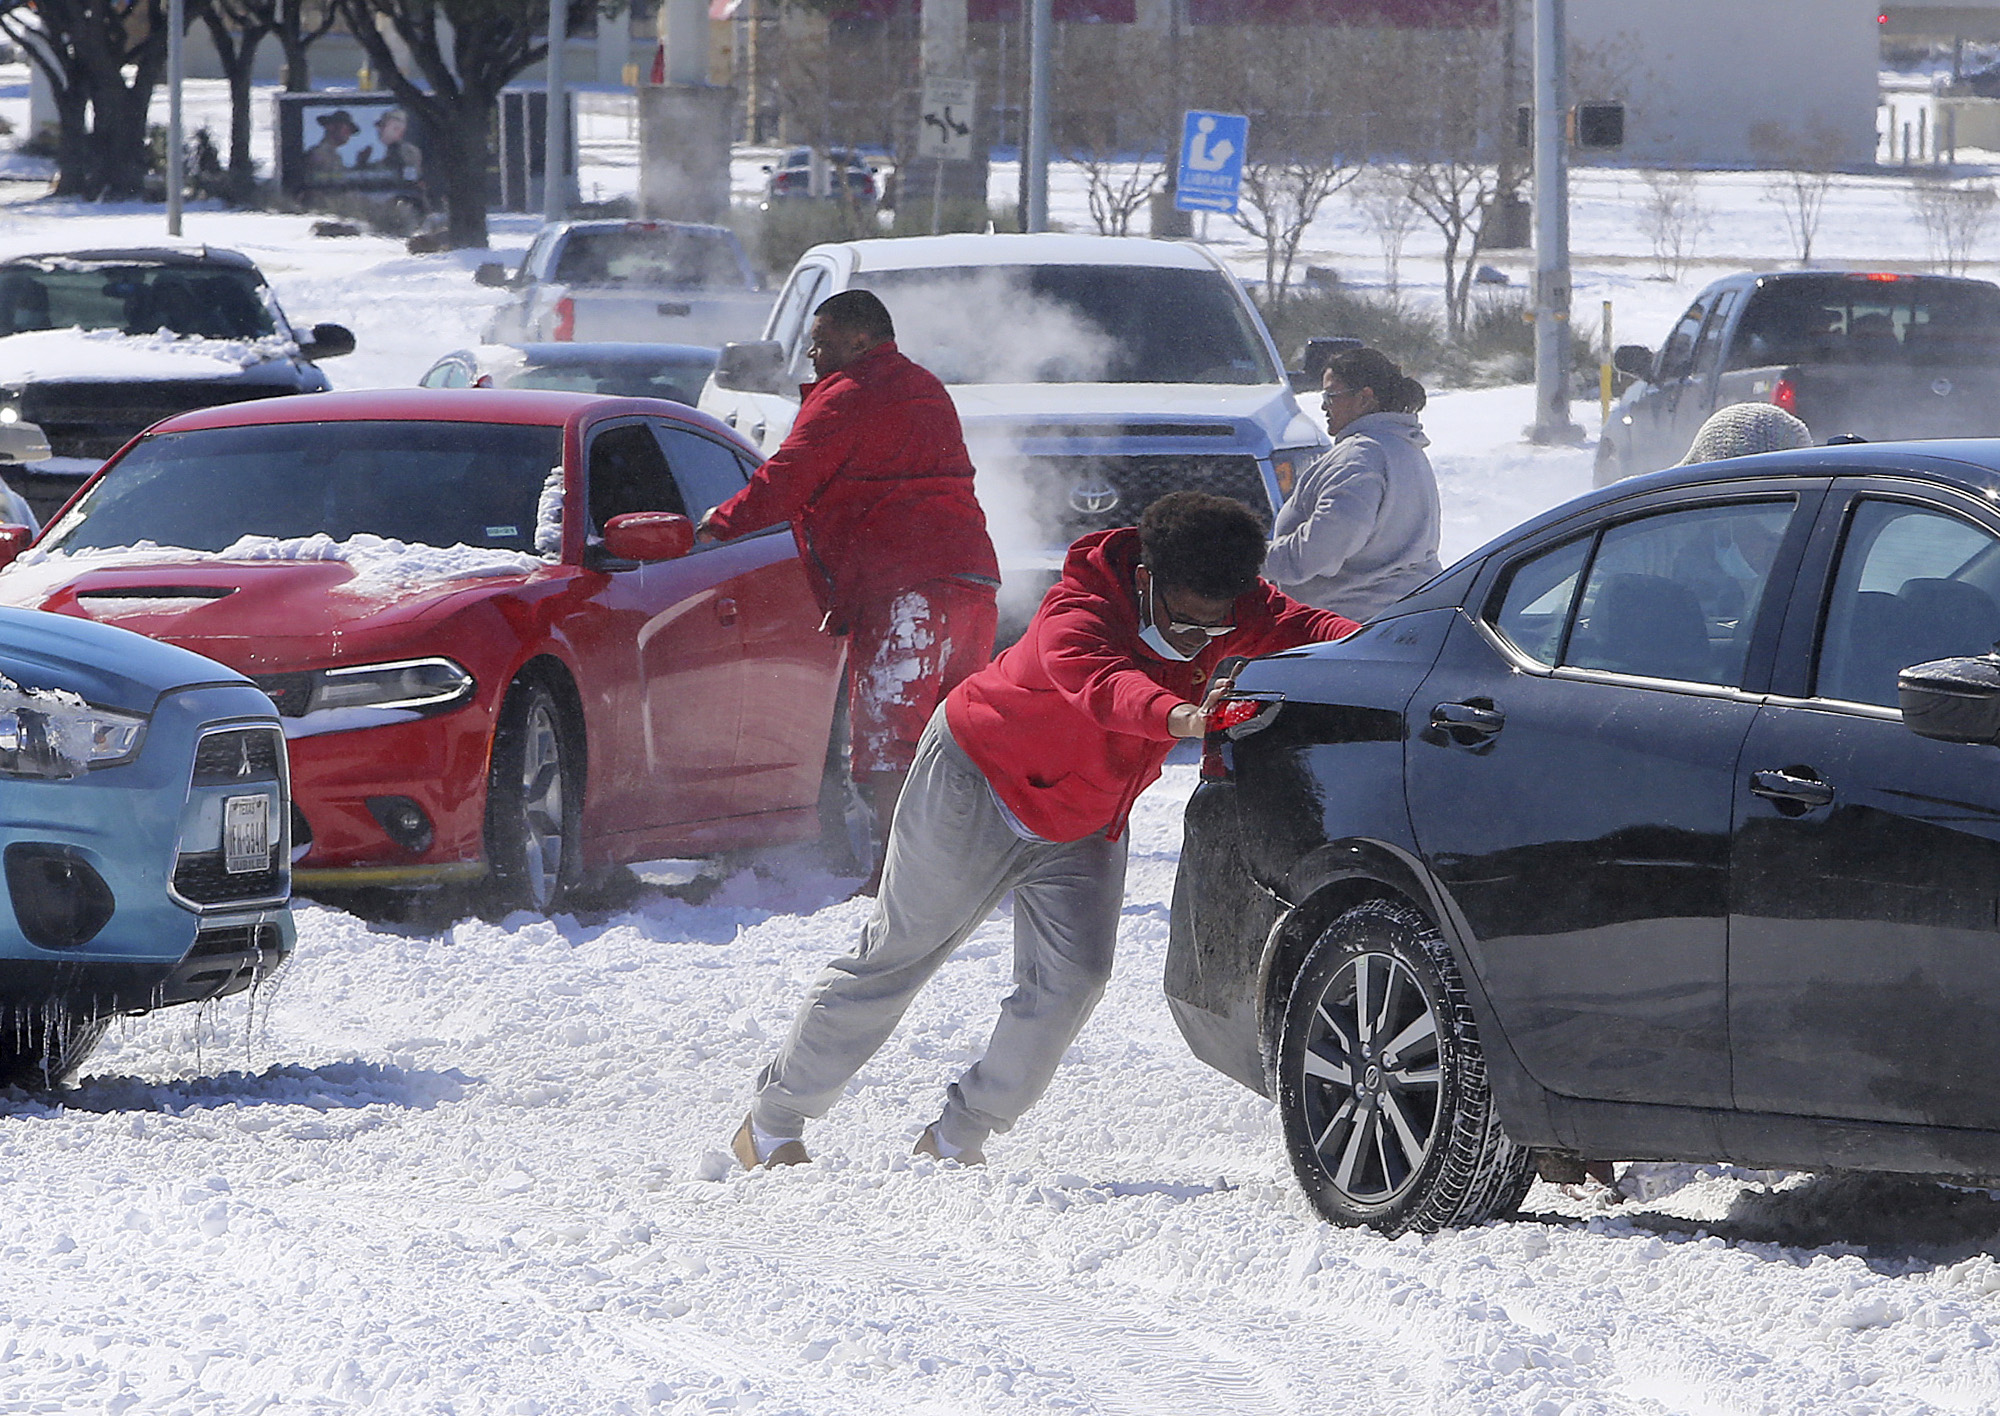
[565,329]
[1785,394]
[1232,719]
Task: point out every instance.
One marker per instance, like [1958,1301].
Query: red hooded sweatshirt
[875,480]
[1070,723]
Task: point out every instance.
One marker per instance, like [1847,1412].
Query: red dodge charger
[494,646]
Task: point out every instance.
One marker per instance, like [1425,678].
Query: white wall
[1698,76]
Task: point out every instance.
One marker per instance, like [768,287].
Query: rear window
[1859,319]
[669,257]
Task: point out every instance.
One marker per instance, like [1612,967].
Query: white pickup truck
[652,282]
[1092,373]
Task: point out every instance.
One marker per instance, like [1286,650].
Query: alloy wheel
[541,805]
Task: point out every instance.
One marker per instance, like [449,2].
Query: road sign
[1211,170]
[944,129]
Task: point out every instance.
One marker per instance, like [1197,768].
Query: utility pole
[1552,420]
[176,149]
[1041,29]
[555,125]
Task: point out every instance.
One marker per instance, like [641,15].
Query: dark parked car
[674,372]
[95,346]
[838,174]
[1632,835]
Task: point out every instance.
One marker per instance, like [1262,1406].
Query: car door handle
[725,610]
[1468,721]
[1786,787]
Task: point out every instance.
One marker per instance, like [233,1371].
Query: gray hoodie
[1360,529]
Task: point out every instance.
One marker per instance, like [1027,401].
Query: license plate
[246,834]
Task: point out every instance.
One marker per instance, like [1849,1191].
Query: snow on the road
[466,1167]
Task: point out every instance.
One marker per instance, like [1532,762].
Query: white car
[1093,374]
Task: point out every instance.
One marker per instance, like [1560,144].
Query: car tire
[533,808]
[1382,1085]
[42,1048]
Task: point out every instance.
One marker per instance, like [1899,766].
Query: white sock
[765,1142]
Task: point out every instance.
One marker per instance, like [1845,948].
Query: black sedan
[1637,834]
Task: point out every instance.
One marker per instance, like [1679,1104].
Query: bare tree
[1954,217]
[1382,195]
[1112,115]
[102,61]
[298,25]
[1457,137]
[1803,160]
[1455,192]
[238,28]
[1674,216]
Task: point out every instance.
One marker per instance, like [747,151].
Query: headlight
[1288,462]
[55,735]
[423,685]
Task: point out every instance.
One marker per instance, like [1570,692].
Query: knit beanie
[1745,428]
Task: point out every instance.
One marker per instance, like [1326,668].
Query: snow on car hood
[378,563]
[986,409]
[109,355]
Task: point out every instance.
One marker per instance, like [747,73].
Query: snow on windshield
[109,354]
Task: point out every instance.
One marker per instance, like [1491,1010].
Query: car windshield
[1863,319]
[670,257]
[1073,324]
[677,379]
[137,298]
[436,484]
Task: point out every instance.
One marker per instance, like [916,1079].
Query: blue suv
[144,836]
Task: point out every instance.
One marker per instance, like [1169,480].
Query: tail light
[1785,394]
[1232,719]
[565,329]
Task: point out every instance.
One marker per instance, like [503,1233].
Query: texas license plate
[246,834]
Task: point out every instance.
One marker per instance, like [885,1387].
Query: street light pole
[176,154]
[1041,26]
[555,125]
[1552,292]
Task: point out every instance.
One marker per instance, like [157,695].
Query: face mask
[1153,639]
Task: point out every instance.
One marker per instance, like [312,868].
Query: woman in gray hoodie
[1360,529]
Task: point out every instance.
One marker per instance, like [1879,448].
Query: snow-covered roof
[1002,248]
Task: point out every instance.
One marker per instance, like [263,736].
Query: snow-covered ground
[480,1167]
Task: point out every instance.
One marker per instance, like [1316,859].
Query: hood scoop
[157,592]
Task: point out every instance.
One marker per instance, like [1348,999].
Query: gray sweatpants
[951,857]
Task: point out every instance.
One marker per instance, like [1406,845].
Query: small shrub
[1498,346]
[782,232]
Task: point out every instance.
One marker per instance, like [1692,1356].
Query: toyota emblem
[1941,387]
[1094,500]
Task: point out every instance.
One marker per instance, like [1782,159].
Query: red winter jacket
[1070,723]
[875,480]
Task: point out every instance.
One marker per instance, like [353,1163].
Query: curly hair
[1206,545]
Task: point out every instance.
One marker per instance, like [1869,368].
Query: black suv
[1666,827]
[71,363]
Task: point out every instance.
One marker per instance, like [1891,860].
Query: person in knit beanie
[1745,428]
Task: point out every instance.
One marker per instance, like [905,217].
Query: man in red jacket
[1023,782]
[875,480]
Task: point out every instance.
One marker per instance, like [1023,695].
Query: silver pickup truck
[652,282]
[1092,375]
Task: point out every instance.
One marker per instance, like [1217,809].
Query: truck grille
[96,419]
[1082,494]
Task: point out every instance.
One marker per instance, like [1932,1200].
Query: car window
[1708,349]
[216,302]
[812,290]
[709,473]
[1678,352]
[650,254]
[628,472]
[1914,584]
[1535,602]
[449,375]
[1868,319]
[1673,595]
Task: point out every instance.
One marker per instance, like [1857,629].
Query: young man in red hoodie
[875,480]
[1023,782]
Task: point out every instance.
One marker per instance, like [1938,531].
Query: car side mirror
[1301,381]
[13,541]
[490,273]
[754,366]
[1953,700]
[23,442]
[1633,359]
[329,341]
[648,536]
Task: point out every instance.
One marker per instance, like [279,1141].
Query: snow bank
[102,355]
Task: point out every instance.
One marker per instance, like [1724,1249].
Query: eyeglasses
[1327,395]
[1174,626]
